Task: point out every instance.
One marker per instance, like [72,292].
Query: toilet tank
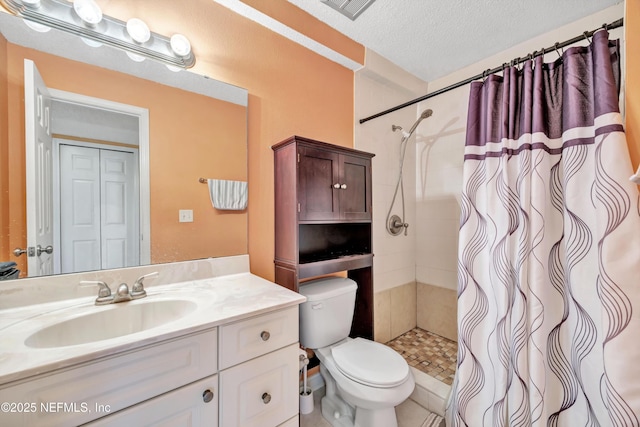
[326,316]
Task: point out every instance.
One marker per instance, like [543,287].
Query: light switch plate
[186,215]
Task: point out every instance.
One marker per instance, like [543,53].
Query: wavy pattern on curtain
[549,254]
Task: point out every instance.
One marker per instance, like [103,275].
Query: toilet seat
[370,363]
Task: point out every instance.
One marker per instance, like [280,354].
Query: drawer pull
[207,396]
[266,398]
[265,335]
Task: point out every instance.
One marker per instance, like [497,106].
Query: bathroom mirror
[194,127]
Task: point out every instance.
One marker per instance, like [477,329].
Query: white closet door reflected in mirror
[98,207]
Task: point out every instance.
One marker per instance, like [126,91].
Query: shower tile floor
[430,353]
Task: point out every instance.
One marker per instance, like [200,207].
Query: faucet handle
[104,294]
[137,290]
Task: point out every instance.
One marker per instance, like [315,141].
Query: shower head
[425,114]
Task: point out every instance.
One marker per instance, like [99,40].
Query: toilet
[364,379]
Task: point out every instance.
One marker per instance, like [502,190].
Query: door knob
[336,186]
[40,250]
[343,186]
[18,251]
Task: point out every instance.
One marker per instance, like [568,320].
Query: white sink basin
[111,321]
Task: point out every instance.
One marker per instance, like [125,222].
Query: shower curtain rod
[515,61]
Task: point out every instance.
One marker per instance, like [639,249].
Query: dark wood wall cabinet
[323,218]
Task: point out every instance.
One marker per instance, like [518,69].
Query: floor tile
[430,353]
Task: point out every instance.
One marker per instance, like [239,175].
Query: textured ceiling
[432,38]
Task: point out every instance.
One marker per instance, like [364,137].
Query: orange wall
[4,152]
[632,95]
[191,136]
[293,91]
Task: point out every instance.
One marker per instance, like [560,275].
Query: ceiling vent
[349,8]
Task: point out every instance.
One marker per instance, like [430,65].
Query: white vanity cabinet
[238,374]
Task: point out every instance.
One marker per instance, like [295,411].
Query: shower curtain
[549,253]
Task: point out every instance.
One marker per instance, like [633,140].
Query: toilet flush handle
[317,306]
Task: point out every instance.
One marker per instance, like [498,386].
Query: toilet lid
[370,363]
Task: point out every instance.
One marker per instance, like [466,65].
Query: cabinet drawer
[262,392]
[184,407]
[95,389]
[256,336]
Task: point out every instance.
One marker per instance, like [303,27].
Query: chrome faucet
[105,296]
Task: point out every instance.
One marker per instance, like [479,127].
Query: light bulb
[88,11]
[33,4]
[90,42]
[135,56]
[180,45]
[36,26]
[138,30]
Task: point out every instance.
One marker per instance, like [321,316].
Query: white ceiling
[432,38]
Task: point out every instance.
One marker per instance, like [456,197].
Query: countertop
[220,300]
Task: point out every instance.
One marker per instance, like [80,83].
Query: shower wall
[378,86]
[439,159]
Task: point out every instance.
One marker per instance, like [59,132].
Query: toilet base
[339,413]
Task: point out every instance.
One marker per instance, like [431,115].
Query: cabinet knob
[343,186]
[265,335]
[207,396]
[336,185]
[266,398]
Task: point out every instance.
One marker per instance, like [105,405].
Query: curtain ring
[556,47]
[586,36]
[485,74]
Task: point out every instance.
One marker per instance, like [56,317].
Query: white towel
[228,195]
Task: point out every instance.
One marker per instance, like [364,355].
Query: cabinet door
[262,392]
[318,172]
[194,405]
[355,189]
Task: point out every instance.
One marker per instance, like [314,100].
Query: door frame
[143,160]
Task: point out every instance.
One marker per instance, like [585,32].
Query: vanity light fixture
[85,19]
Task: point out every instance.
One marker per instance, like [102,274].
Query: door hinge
[298,207]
